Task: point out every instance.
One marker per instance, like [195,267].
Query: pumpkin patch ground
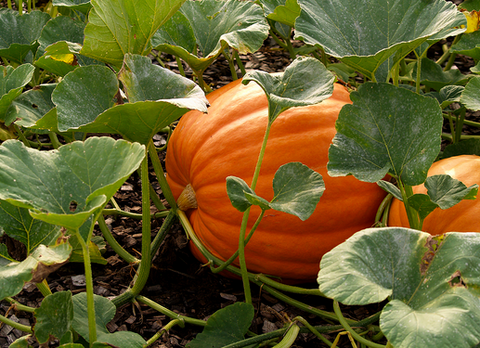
[177,279]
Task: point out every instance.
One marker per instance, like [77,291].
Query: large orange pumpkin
[463,217]
[206,148]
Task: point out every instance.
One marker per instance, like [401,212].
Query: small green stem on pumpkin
[352,332]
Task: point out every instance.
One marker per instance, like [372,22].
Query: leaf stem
[107,234]
[162,181]
[169,313]
[145,263]
[235,254]
[137,216]
[231,63]
[180,66]
[354,334]
[92,327]
[167,223]
[143,272]
[246,214]
[413,218]
[164,329]
[18,306]
[15,325]
[44,288]
[313,330]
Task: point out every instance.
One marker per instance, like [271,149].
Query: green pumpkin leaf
[80,5]
[177,35]
[387,129]
[468,45]
[446,191]
[297,190]
[432,283]
[61,28]
[104,313]
[447,95]
[12,82]
[31,106]
[423,204]
[20,33]
[449,321]
[60,45]
[95,84]
[285,12]
[227,325]
[23,342]
[122,26]
[54,316]
[17,223]
[85,174]
[144,81]
[215,25]
[252,198]
[387,186]
[236,189]
[464,147]
[470,97]
[141,120]
[93,250]
[34,268]
[360,34]
[433,76]
[304,82]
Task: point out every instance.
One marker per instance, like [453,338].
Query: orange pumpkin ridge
[206,148]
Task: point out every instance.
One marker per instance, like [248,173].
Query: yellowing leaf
[66,58]
[472,21]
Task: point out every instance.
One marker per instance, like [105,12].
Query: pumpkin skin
[462,217]
[206,148]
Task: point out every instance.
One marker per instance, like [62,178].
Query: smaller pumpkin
[462,217]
